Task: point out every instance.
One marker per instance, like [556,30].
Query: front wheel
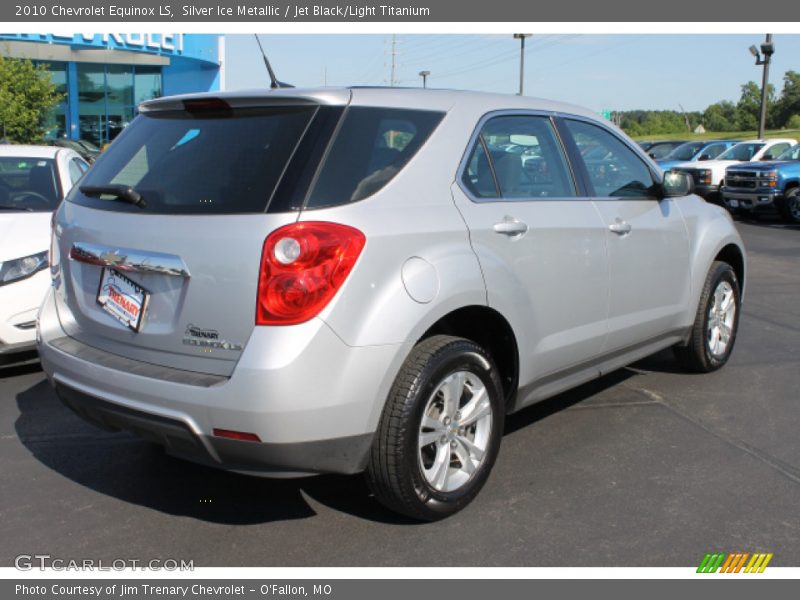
[440,430]
[789,208]
[716,322]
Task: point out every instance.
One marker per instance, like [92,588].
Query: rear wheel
[440,431]
[716,322]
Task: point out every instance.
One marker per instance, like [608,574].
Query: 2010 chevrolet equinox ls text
[342,280]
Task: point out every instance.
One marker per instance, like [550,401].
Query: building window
[108,96]
[146,84]
[56,122]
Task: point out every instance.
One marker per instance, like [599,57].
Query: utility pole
[392,78]
[424,75]
[768,49]
[521,37]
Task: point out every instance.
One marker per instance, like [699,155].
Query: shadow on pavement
[129,469]
[19,364]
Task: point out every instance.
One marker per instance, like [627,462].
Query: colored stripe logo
[736,562]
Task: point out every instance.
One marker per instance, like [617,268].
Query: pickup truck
[702,150]
[708,175]
[749,188]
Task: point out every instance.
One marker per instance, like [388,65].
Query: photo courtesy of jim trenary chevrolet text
[417,299]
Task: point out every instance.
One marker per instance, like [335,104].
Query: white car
[709,175]
[33,181]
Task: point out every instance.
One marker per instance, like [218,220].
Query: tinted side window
[371,147]
[613,168]
[478,176]
[526,158]
[776,151]
[714,150]
[660,151]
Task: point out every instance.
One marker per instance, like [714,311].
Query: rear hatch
[160,244]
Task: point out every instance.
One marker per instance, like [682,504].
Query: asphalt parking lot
[645,467]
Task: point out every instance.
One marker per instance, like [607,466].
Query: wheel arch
[733,255]
[492,332]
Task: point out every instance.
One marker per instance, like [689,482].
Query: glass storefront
[56,122]
[107,97]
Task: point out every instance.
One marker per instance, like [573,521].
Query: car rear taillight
[303,265]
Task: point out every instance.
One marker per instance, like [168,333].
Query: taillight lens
[303,265]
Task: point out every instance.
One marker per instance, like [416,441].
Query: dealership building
[104,77]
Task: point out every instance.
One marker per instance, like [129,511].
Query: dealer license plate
[123,299]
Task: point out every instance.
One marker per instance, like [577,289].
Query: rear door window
[525,160]
[370,148]
[216,162]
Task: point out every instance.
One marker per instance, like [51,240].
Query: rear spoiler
[260,99]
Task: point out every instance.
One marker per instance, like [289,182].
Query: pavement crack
[789,471]
[596,405]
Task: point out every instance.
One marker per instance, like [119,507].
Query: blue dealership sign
[197,47]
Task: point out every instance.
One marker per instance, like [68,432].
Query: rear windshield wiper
[121,192]
[7,207]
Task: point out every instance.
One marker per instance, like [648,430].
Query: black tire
[394,472]
[789,206]
[697,356]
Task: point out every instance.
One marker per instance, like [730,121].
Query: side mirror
[676,184]
[768,156]
[705,157]
[652,155]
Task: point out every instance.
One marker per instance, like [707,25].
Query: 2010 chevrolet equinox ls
[308,281]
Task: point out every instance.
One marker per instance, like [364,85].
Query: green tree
[749,106]
[721,116]
[27,94]
[788,105]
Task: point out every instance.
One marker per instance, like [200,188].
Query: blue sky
[617,72]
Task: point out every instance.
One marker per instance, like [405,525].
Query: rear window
[221,162]
[28,184]
[370,148]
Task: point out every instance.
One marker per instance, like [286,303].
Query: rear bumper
[314,404]
[341,455]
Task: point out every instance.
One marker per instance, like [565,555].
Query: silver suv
[335,281]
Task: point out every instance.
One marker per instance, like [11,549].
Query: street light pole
[521,37]
[424,75]
[767,49]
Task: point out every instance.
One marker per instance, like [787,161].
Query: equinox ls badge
[207,338]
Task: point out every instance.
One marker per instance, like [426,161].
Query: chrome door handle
[620,227]
[510,227]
